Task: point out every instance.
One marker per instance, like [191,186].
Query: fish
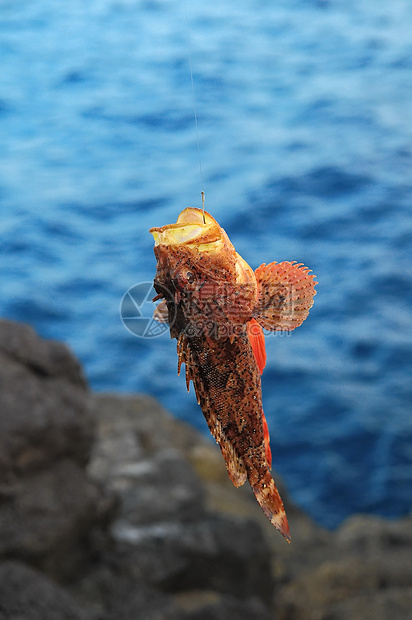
[217,306]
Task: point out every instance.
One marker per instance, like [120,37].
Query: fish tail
[271,503]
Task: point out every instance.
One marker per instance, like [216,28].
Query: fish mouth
[191,230]
[176,234]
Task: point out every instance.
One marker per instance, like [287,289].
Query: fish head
[196,259]
[192,251]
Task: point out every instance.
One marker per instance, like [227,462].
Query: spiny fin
[270,501]
[184,357]
[234,464]
[285,295]
[257,341]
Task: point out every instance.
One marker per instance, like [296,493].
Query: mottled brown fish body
[212,296]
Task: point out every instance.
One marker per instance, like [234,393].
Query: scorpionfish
[216,307]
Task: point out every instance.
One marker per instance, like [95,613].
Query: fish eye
[190,277]
[184,277]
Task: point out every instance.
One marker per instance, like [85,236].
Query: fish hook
[203,206]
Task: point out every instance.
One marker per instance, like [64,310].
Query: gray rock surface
[111,509]
[26,594]
[164,530]
[65,479]
[46,411]
[49,507]
[46,517]
[364,565]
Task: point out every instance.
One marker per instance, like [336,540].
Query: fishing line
[195,113]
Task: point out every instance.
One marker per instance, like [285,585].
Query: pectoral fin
[161,313]
[234,464]
[285,295]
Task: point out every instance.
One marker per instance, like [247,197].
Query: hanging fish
[216,306]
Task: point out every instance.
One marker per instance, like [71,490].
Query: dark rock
[167,535]
[163,487]
[45,410]
[366,572]
[369,534]
[49,509]
[315,591]
[113,590]
[46,517]
[142,428]
[25,594]
[127,598]
[214,553]
[137,459]
[209,605]
[141,602]
[184,543]
[395,604]
[45,358]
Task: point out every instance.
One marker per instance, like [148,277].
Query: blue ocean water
[305,139]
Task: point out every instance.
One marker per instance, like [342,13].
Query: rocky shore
[111,509]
